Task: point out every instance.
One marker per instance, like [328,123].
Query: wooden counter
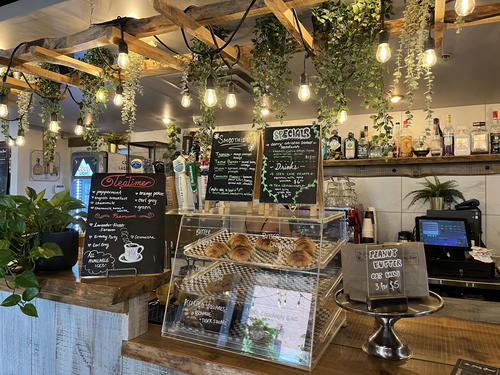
[436,342]
[109,294]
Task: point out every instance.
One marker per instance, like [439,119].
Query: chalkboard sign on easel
[290,165]
[4,168]
[125,229]
[233,162]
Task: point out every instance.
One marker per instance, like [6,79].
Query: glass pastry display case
[259,285]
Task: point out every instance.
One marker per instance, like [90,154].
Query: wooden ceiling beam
[285,15]
[54,57]
[17,84]
[439,26]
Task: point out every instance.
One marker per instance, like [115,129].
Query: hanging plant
[409,66]
[132,87]
[4,123]
[272,52]
[346,36]
[24,108]
[173,132]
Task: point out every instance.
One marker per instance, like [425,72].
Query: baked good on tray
[241,253]
[238,240]
[216,249]
[305,244]
[221,285]
[267,244]
[299,258]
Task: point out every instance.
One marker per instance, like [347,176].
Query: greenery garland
[131,87]
[173,132]
[346,36]
[273,49]
[4,123]
[24,109]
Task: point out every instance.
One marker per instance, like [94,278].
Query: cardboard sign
[385,270]
[233,161]
[125,230]
[290,165]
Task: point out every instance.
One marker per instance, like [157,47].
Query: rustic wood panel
[473,310]
[135,323]
[47,55]
[106,345]
[43,338]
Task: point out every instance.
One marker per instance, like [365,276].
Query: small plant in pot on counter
[436,192]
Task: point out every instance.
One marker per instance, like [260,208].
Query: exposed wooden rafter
[439,26]
[54,57]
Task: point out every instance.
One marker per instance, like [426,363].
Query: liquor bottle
[406,148]
[362,145]
[480,138]
[437,140]
[335,146]
[448,138]
[366,133]
[437,127]
[462,142]
[495,134]
[350,147]
[396,139]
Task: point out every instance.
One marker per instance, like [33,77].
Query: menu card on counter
[233,163]
[385,271]
[125,225]
[4,168]
[465,367]
[290,165]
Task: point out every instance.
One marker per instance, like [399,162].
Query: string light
[266,106]
[186,99]
[383,50]
[464,7]
[304,90]
[10,142]
[54,123]
[101,94]
[210,97]
[231,96]
[20,140]
[79,126]
[342,116]
[4,109]
[123,59]
[429,58]
[118,98]
[16,74]
[166,120]
[396,98]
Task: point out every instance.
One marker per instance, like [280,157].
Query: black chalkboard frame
[5,168]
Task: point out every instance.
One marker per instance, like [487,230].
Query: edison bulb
[10,142]
[79,130]
[429,58]
[210,98]
[16,75]
[3,69]
[122,60]
[304,92]
[54,126]
[101,94]
[342,116]
[4,110]
[231,100]
[265,111]
[383,53]
[464,7]
[186,100]
[20,140]
[118,99]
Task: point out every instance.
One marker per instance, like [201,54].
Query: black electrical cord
[167,47]
[41,95]
[309,51]
[106,61]
[214,39]
[11,59]
[20,117]
[72,97]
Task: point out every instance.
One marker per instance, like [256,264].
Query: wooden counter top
[436,342]
[110,294]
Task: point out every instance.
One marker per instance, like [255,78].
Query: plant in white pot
[436,193]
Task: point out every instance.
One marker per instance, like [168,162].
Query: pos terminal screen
[441,232]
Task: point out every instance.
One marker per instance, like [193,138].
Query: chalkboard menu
[4,168]
[290,165]
[385,269]
[232,166]
[125,230]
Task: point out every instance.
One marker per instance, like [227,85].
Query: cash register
[447,241]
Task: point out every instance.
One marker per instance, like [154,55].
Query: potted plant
[51,219]
[259,337]
[436,192]
[19,250]
[114,140]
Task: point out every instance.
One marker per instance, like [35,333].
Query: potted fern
[436,192]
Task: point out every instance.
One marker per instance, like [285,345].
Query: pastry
[238,240]
[222,285]
[241,253]
[216,249]
[305,244]
[267,244]
[299,258]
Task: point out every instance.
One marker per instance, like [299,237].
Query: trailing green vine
[347,36]
[4,123]
[274,48]
[23,109]
[173,132]
[131,87]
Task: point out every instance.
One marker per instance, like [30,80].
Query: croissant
[299,258]
[305,244]
[216,249]
[238,240]
[267,244]
[241,253]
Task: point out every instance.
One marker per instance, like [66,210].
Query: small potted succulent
[437,193]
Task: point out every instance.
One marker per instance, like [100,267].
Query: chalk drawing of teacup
[133,252]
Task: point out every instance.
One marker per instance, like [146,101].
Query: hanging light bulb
[464,7]
[20,140]
[304,90]
[10,142]
[210,97]
[101,94]
[53,124]
[118,98]
[231,96]
[122,55]
[429,57]
[383,50]
[4,109]
[266,105]
[16,74]
[342,116]
[186,99]
[396,98]
[79,126]
[3,69]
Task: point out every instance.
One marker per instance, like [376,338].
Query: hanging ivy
[409,65]
[346,36]
[173,132]
[4,123]
[274,48]
[131,87]
[24,99]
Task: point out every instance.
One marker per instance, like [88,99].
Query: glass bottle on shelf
[396,139]
[462,142]
[495,134]
[334,146]
[362,146]
[437,139]
[421,147]
[350,147]
[448,138]
[479,138]
[406,148]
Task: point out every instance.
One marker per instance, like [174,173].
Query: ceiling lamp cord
[167,47]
